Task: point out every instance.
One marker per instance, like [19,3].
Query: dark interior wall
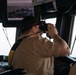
[63,24]
[0,12]
[37,12]
[58,22]
[65,27]
[3,9]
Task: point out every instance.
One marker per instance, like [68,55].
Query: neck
[32,34]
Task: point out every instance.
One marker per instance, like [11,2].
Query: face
[36,29]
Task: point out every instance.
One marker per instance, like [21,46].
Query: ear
[34,29]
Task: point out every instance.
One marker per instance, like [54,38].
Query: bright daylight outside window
[73,40]
[7,39]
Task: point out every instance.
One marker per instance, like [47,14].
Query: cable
[6,36]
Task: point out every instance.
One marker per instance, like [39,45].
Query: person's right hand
[52,31]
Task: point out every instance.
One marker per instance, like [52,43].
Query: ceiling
[4,4]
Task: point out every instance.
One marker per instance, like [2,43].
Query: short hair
[28,22]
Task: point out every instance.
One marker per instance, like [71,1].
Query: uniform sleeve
[56,49]
[48,48]
[53,48]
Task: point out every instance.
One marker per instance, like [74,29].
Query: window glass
[73,40]
[7,39]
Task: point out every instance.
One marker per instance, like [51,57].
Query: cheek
[37,28]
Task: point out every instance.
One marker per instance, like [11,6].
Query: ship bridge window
[7,39]
[73,40]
